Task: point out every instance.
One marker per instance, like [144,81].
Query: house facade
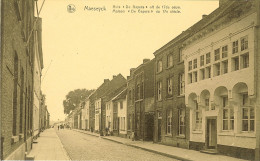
[38,66]
[172,116]
[140,101]
[220,81]
[17,57]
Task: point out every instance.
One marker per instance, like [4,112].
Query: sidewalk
[49,147]
[169,151]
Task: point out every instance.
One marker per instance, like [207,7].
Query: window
[248,115]
[207,104]
[180,55]
[235,64]
[217,54]
[138,91]
[201,60]
[245,60]
[121,104]
[195,76]
[244,43]
[235,47]
[159,66]
[181,84]
[190,65]
[224,51]
[159,90]
[227,115]
[169,60]
[248,119]
[208,72]
[224,67]
[169,122]
[207,58]
[181,122]
[169,86]
[198,117]
[15,82]
[202,74]
[194,63]
[217,69]
[190,77]
[21,100]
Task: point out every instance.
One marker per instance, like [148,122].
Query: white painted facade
[122,115]
[85,115]
[109,115]
[228,95]
[37,87]
[97,113]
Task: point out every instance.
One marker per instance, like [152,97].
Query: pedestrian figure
[58,127]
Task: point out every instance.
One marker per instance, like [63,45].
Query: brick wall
[13,27]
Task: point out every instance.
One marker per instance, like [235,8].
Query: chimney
[203,16]
[132,70]
[146,60]
[106,80]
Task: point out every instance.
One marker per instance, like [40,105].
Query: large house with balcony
[220,80]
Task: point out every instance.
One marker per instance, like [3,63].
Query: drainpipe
[1,60]
[257,80]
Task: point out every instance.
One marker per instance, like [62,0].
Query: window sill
[15,139]
[246,134]
[21,136]
[182,95]
[197,132]
[170,67]
[168,135]
[226,133]
[181,137]
[159,72]
[169,98]
[180,62]
[159,100]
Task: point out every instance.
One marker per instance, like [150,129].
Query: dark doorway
[211,135]
[159,126]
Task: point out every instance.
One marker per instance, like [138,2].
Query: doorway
[211,133]
[159,126]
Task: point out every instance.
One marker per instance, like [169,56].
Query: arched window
[15,94]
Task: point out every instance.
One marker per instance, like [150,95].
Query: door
[211,136]
[159,126]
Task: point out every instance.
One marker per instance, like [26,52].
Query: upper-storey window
[217,54]
[244,43]
[169,86]
[159,90]
[159,66]
[180,55]
[224,51]
[181,84]
[194,63]
[207,58]
[169,60]
[202,60]
[235,47]
[190,65]
[245,60]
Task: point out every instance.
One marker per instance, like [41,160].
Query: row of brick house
[23,112]
[201,90]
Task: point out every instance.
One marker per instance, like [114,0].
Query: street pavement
[80,146]
[48,147]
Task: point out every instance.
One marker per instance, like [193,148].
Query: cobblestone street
[80,146]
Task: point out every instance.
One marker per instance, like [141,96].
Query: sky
[83,48]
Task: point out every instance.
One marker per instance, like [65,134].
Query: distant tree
[73,98]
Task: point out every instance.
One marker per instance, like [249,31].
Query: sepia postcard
[130,80]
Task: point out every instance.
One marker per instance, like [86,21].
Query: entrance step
[209,151]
